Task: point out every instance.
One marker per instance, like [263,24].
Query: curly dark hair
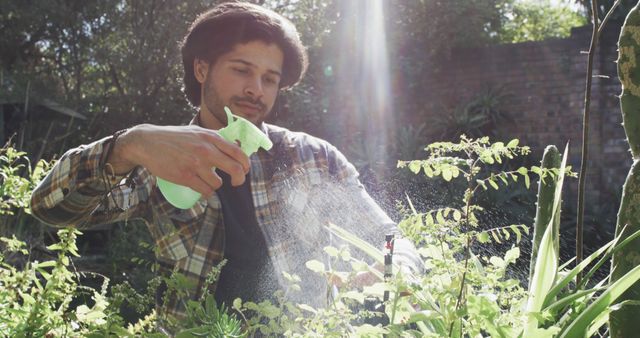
[218,30]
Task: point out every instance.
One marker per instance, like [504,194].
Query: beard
[215,104]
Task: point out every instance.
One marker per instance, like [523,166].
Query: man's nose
[254,89]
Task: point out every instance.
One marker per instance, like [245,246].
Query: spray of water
[308,202]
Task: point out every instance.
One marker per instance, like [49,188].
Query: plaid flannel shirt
[298,186]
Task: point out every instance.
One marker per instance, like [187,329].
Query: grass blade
[578,328]
[354,240]
[612,246]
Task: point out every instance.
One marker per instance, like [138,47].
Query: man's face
[246,79]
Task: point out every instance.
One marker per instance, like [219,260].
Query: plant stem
[606,17]
[585,138]
[467,252]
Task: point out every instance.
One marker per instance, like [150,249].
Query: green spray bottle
[238,129]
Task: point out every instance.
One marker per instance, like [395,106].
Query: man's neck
[207,120]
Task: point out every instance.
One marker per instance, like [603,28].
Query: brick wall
[546,82]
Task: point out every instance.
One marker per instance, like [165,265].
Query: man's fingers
[210,178]
[198,184]
[233,151]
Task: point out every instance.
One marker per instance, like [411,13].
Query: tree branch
[585,138]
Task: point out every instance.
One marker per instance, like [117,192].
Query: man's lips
[248,107]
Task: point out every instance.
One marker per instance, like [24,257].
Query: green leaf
[523,171]
[497,262]
[488,159]
[428,170]
[414,166]
[345,255]
[512,255]
[44,273]
[307,308]
[447,174]
[483,237]
[46,264]
[331,251]
[493,184]
[513,143]
[496,236]
[359,266]
[506,233]
[542,279]
[355,295]
[536,170]
[439,218]
[515,230]
[527,181]
[55,247]
[457,216]
[455,172]
[429,220]
[237,303]
[368,330]
[504,179]
[373,252]
[315,266]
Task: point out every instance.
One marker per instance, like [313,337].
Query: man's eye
[271,80]
[241,71]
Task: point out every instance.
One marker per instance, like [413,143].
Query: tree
[604,5]
[534,21]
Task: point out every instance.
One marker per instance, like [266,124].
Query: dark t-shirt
[249,273]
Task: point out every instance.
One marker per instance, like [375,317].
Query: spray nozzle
[239,130]
[250,137]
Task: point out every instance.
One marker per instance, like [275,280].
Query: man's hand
[181,154]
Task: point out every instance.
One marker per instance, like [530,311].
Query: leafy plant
[461,292]
[549,308]
[18,179]
[46,298]
[483,115]
[535,21]
[209,320]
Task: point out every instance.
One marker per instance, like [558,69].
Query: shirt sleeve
[79,192]
[370,214]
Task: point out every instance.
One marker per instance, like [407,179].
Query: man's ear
[200,69]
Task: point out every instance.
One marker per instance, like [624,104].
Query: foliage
[462,291]
[535,21]
[17,179]
[105,59]
[605,5]
[482,115]
[459,293]
[46,299]
[15,189]
[210,320]
[33,308]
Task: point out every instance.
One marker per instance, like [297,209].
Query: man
[265,214]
